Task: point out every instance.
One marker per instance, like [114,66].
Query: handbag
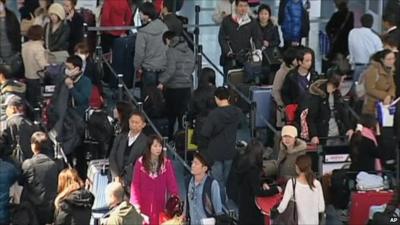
[54,57]
[289,216]
[273,55]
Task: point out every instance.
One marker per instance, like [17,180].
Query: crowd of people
[44,148]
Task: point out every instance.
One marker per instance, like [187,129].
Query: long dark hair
[304,164]
[147,154]
[380,56]
[207,77]
[368,121]
[253,155]
[124,110]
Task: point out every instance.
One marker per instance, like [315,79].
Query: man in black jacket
[235,36]
[75,22]
[327,116]
[218,136]
[40,174]
[127,148]
[16,137]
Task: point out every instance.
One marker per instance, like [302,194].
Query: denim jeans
[220,171]
[149,80]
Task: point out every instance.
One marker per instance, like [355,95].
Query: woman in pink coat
[153,181]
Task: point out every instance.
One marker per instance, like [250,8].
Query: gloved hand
[274,213]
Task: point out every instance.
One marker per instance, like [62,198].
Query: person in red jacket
[114,13]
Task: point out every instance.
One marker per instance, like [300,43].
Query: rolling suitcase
[98,177]
[262,96]
[361,203]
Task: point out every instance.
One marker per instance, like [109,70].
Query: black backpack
[99,127]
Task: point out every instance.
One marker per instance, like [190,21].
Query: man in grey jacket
[177,79]
[150,51]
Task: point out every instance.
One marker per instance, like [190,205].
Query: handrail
[138,104]
[118,28]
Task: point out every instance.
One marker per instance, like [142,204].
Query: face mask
[68,72]
[82,56]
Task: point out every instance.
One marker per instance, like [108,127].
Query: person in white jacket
[308,194]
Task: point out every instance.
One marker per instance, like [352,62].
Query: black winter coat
[341,43]
[269,33]
[76,34]
[218,135]
[200,106]
[319,111]
[75,209]
[235,37]
[363,154]
[13,31]
[291,92]
[17,125]
[250,185]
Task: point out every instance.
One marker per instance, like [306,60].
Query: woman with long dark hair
[153,180]
[365,151]
[308,193]
[251,184]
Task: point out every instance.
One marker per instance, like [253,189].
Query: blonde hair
[68,182]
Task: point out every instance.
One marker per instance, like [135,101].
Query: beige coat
[378,83]
[287,158]
[33,54]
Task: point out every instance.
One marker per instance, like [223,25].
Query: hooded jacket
[150,51]
[180,65]
[218,135]
[287,158]
[75,209]
[319,111]
[378,83]
[124,214]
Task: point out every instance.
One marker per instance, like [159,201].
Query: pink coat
[150,191]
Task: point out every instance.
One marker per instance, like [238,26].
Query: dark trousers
[107,41]
[177,100]
[149,80]
[33,92]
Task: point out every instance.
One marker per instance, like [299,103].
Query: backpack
[209,210]
[99,127]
